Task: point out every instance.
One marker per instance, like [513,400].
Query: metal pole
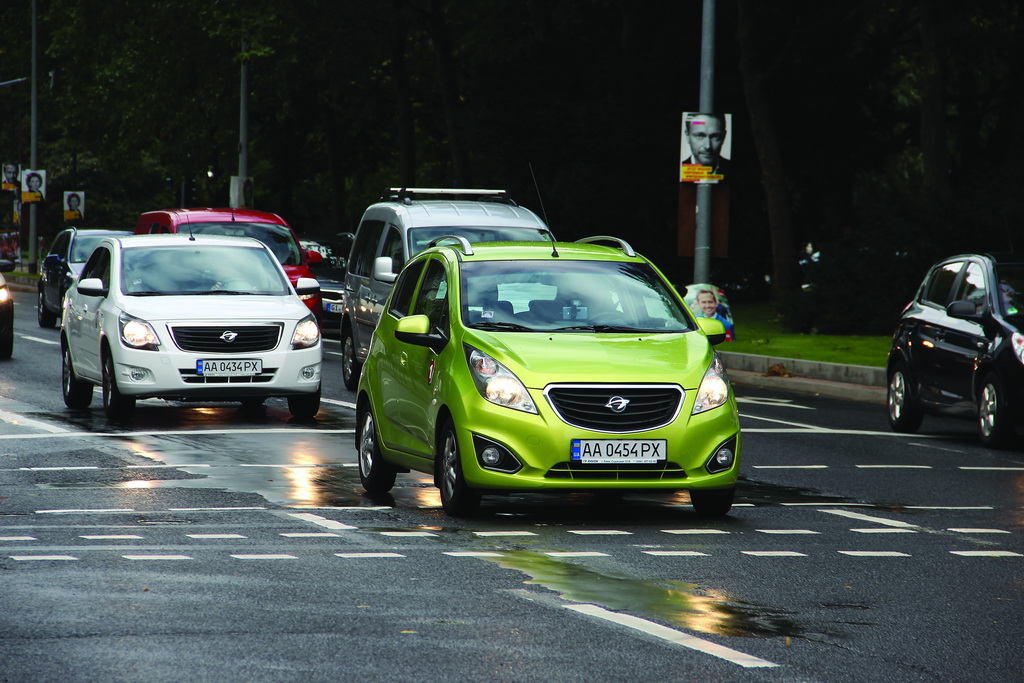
[243,135]
[34,157]
[702,240]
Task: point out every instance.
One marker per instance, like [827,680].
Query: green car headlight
[498,384]
[714,388]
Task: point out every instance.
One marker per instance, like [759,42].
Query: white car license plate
[618,451]
[236,367]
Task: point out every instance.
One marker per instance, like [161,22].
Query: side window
[367,237]
[98,265]
[433,297]
[60,245]
[401,300]
[940,284]
[393,248]
[972,288]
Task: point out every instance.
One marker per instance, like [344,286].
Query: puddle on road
[685,605]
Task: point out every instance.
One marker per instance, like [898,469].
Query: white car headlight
[306,334]
[714,388]
[137,333]
[498,384]
[1018,346]
[5,294]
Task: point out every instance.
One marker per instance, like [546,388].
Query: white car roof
[446,212]
[163,240]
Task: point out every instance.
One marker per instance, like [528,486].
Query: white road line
[773,553]
[225,509]
[694,531]
[675,553]
[885,530]
[674,636]
[473,553]
[320,521]
[362,555]
[18,538]
[575,553]
[177,432]
[73,511]
[41,557]
[790,467]
[402,534]
[265,557]
[504,533]
[948,507]
[58,469]
[51,342]
[156,557]
[311,534]
[869,518]
[967,530]
[993,469]
[335,402]
[110,537]
[986,553]
[872,553]
[209,536]
[17,419]
[787,531]
[894,467]
[599,532]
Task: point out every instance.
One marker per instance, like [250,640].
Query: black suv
[959,348]
[68,254]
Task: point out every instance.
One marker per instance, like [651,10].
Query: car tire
[304,406]
[457,498]
[712,502]
[350,365]
[116,405]
[994,426]
[43,315]
[6,337]
[376,475]
[77,393]
[254,403]
[904,414]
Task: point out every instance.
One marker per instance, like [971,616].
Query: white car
[203,318]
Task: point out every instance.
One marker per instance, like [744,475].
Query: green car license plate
[619,451]
[236,367]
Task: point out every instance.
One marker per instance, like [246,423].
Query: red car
[268,228]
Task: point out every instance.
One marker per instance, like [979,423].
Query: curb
[834,380]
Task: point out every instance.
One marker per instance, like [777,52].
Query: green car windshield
[570,296]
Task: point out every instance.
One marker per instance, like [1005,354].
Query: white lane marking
[885,530]
[948,507]
[177,432]
[151,467]
[402,534]
[694,531]
[968,530]
[787,531]
[894,467]
[674,636]
[872,553]
[473,553]
[986,553]
[335,402]
[73,511]
[42,557]
[58,469]
[225,509]
[599,532]
[51,342]
[825,503]
[110,537]
[810,429]
[320,521]
[575,553]
[779,402]
[675,553]
[773,553]
[362,555]
[156,557]
[869,518]
[264,557]
[790,467]
[333,353]
[16,419]
[207,536]
[311,534]
[18,538]
[993,469]
[504,533]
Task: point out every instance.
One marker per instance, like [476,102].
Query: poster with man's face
[74,206]
[12,177]
[33,186]
[706,147]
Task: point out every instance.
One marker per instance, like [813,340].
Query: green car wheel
[375,474]
[457,498]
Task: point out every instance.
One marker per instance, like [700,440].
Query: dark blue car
[958,350]
[68,254]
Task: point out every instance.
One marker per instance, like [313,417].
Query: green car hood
[539,359]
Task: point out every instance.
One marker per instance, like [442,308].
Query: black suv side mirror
[966,310]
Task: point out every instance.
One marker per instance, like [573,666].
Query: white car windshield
[200,269]
[570,296]
[419,238]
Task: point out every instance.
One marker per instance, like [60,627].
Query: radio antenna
[543,211]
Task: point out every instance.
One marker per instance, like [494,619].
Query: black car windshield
[1011,288]
[570,296]
[419,238]
[200,269]
[278,237]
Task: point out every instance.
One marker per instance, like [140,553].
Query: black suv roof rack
[408,194]
[622,244]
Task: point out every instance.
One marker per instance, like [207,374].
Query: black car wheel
[994,426]
[44,316]
[350,365]
[77,394]
[904,414]
[304,406]
[6,335]
[712,502]
[376,475]
[457,498]
[116,405]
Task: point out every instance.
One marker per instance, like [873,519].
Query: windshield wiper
[147,293]
[601,328]
[234,292]
[508,327]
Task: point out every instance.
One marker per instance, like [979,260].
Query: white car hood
[216,308]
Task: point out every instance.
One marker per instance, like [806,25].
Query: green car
[541,367]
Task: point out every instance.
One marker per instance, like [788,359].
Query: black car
[6,313]
[330,273]
[958,350]
[68,253]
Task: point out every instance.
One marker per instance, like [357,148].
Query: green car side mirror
[415,329]
[713,329]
